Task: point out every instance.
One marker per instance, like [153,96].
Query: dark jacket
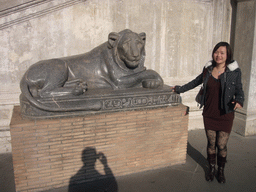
[231,85]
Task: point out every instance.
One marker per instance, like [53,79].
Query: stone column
[245,54]
[221,21]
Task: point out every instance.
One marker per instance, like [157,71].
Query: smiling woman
[222,95]
[220,59]
[220,55]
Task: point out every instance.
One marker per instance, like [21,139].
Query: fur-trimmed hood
[232,66]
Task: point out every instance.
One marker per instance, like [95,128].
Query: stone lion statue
[115,64]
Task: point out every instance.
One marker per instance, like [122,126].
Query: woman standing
[222,95]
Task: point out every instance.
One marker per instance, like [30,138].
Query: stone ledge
[100,101]
[5,140]
[244,123]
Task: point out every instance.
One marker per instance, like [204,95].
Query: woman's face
[220,55]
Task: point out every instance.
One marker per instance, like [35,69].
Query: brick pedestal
[47,153]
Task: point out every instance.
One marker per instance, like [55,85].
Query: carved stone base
[102,100]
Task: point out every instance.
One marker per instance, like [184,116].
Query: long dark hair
[229,52]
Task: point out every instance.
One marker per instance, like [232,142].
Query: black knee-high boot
[221,164]
[212,161]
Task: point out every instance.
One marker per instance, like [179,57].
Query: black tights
[217,139]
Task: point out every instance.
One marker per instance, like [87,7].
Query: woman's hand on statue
[173,88]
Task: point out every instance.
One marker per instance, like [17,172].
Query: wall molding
[19,14]
[21,7]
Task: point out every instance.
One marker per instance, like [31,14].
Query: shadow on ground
[84,179]
[7,183]
[197,157]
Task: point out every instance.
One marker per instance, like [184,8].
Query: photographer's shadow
[88,179]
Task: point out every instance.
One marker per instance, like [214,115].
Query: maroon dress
[214,117]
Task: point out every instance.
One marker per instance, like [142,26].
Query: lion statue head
[128,49]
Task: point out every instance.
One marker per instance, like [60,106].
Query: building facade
[180,38]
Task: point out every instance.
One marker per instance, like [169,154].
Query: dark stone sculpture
[78,83]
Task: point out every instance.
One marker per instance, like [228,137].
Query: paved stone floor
[240,171]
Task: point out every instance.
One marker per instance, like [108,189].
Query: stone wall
[180,37]
[48,153]
[245,53]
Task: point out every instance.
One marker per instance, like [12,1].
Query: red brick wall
[47,153]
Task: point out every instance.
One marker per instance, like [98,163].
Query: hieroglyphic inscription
[133,102]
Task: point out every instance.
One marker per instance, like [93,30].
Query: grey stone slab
[102,100]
